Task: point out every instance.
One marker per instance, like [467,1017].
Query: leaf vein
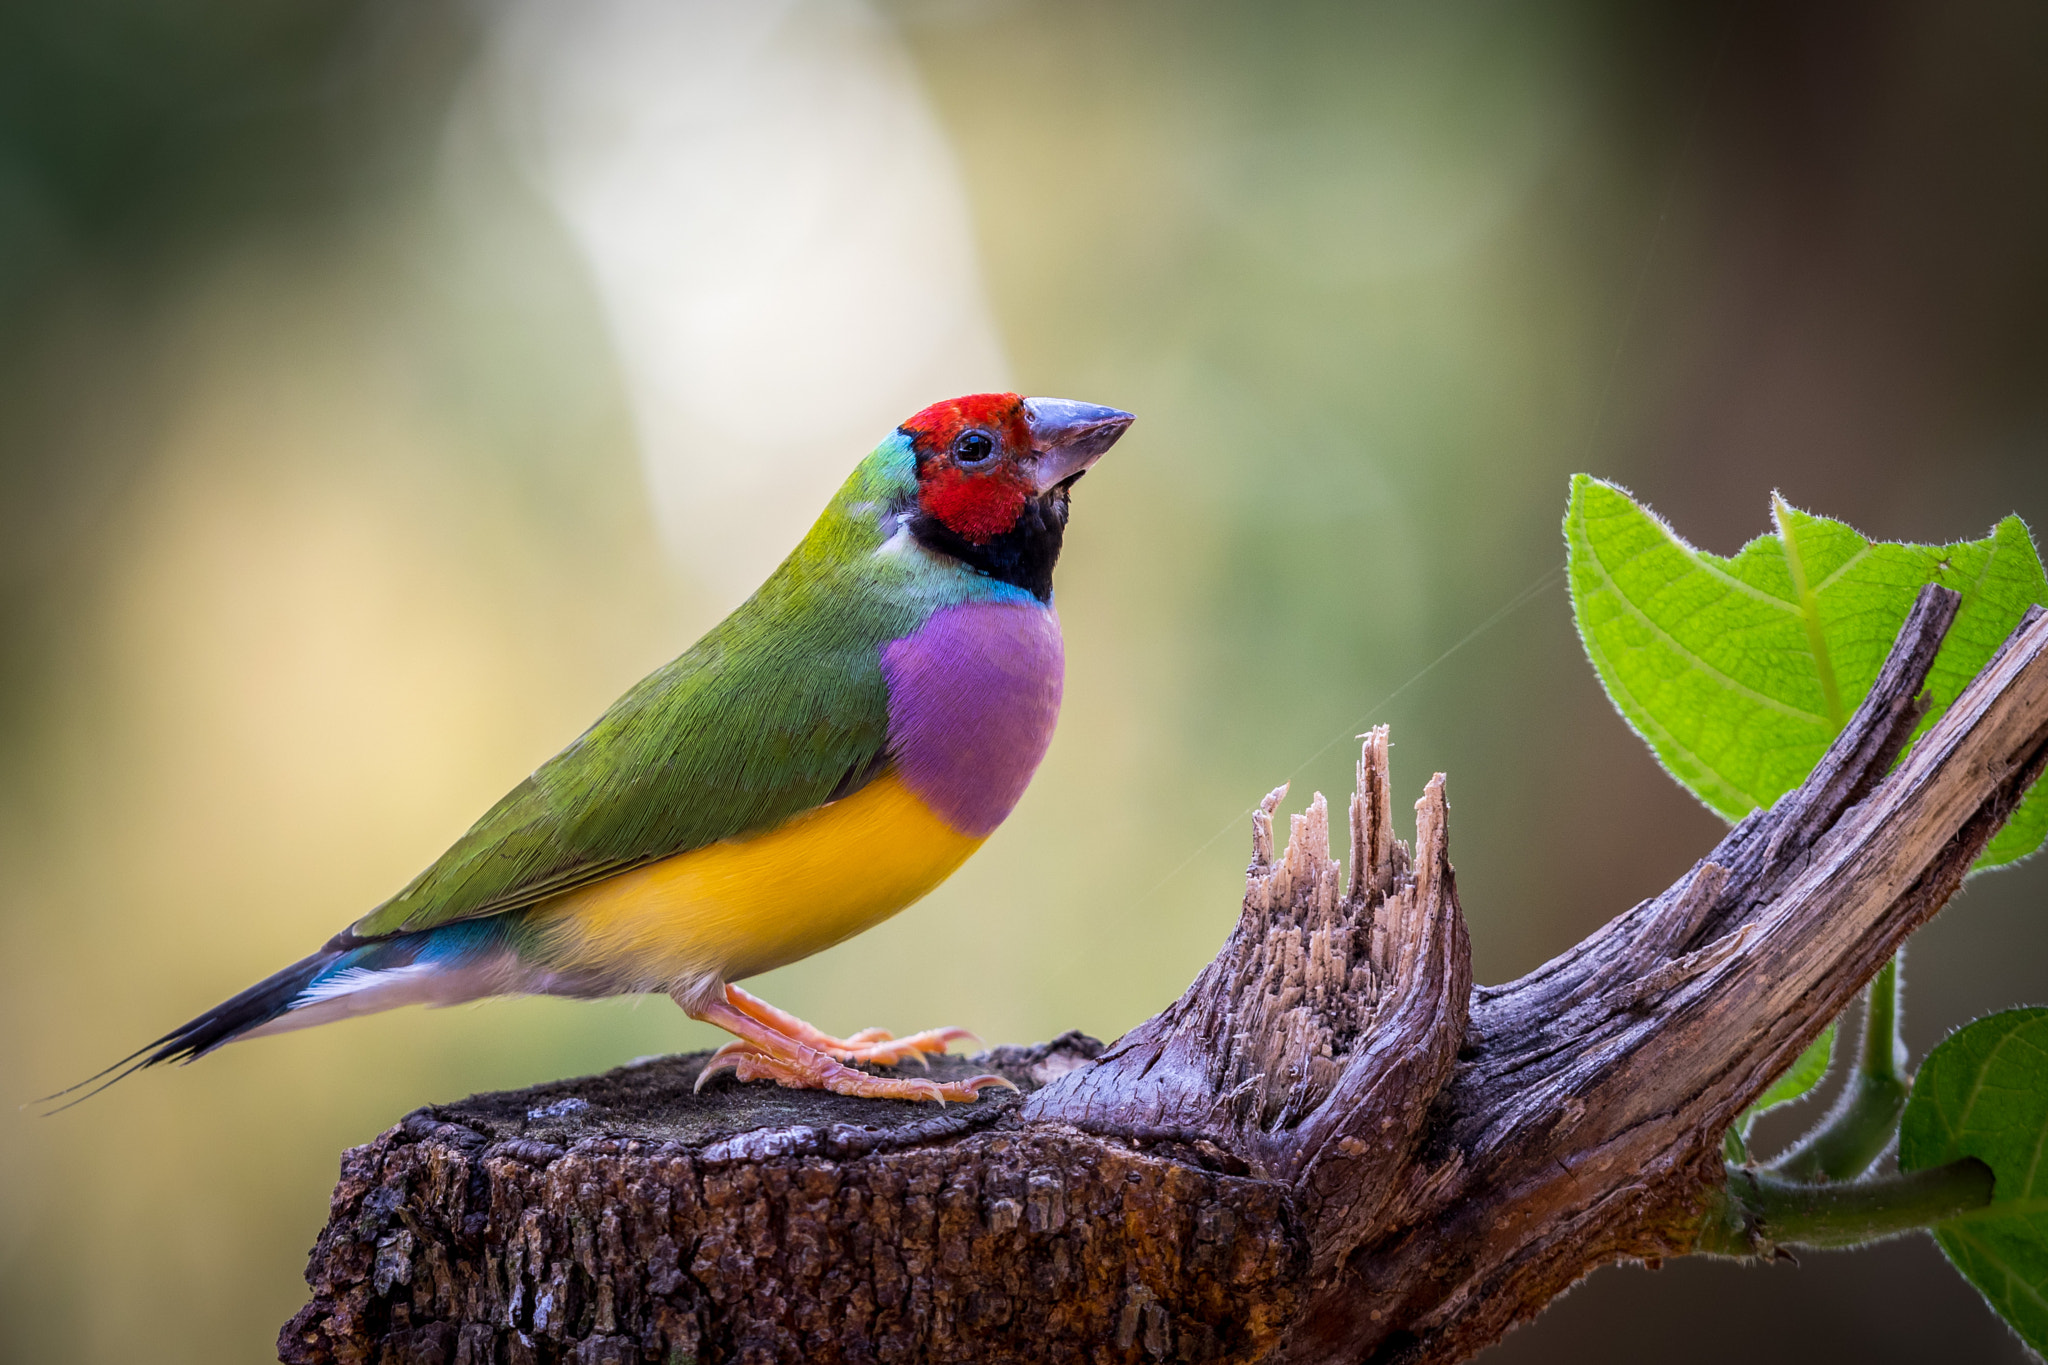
[1692,658]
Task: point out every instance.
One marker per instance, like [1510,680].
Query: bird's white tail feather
[368,990]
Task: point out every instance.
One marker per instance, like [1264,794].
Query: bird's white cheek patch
[900,542]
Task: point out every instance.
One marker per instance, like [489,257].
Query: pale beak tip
[1071,436]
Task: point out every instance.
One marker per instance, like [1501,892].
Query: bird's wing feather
[780,708]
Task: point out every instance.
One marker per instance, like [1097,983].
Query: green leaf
[1804,1074]
[1738,672]
[1984,1093]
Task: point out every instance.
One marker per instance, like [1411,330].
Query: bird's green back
[778,708]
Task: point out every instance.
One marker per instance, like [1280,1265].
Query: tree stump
[1332,1147]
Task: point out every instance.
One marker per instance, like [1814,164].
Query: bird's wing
[774,712]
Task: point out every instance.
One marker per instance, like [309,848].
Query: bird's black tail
[220,1025]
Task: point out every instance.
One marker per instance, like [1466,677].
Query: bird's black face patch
[1023,555]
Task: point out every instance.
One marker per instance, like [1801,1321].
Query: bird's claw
[726,1058]
[978,1082]
[772,1045]
[816,1071]
[889,1051]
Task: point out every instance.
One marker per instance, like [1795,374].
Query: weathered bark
[1331,1148]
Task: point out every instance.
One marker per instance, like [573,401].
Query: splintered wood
[1305,983]
[1315,958]
[1311,1045]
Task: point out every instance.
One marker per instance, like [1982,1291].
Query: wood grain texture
[1331,1148]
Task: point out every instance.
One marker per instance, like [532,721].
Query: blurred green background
[336,492]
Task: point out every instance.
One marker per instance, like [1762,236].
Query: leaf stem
[1758,1213]
[1865,1119]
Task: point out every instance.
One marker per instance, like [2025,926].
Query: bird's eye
[973,448]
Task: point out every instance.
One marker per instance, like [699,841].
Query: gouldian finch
[825,756]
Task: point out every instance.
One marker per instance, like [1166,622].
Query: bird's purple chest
[973,695]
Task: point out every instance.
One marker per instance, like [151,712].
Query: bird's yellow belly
[743,906]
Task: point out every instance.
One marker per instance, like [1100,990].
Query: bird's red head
[973,463]
[993,470]
[984,460]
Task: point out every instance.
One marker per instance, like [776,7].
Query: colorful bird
[825,756]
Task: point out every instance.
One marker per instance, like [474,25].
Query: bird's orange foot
[766,1052]
[802,1068]
[874,1045]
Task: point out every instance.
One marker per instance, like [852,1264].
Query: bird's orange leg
[766,1054]
[869,1045]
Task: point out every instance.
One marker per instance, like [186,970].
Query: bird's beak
[1067,437]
